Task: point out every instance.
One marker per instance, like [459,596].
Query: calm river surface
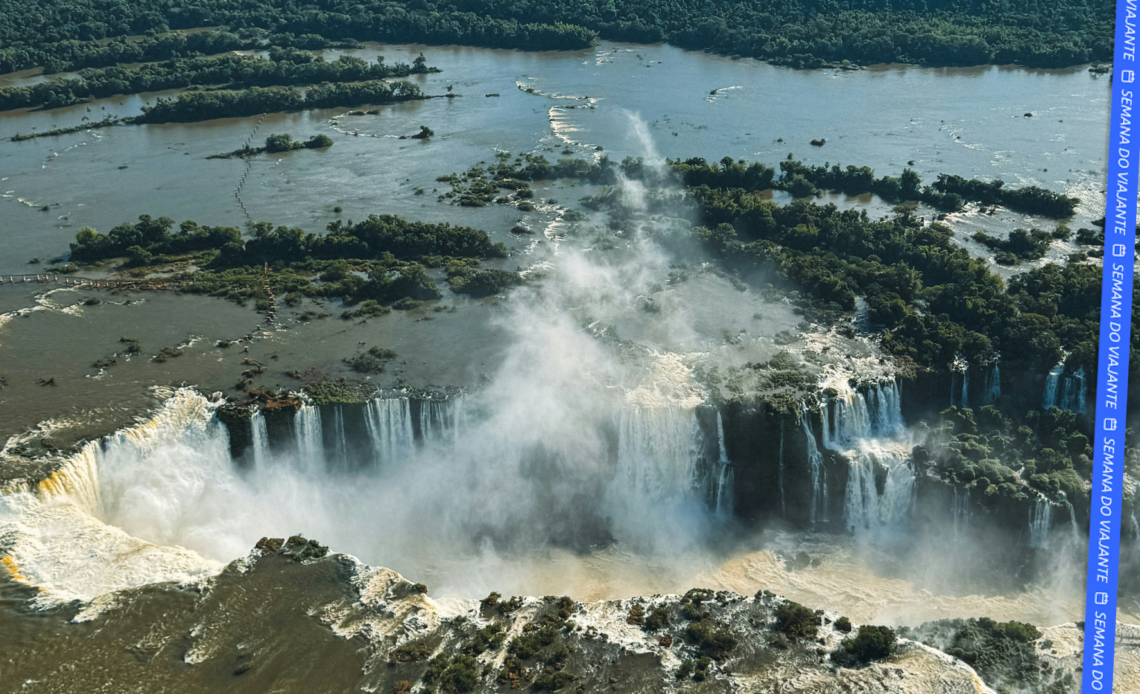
[969,122]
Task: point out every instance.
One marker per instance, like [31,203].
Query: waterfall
[869,430]
[960,511]
[389,423]
[658,449]
[993,385]
[1051,381]
[340,441]
[1040,517]
[965,399]
[1073,527]
[783,502]
[725,475]
[310,440]
[438,418]
[1075,392]
[851,416]
[864,509]
[1135,526]
[260,436]
[818,472]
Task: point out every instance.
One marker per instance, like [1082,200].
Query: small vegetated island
[278,143]
[798,32]
[373,265]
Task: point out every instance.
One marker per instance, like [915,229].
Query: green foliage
[480,283]
[530,643]
[372,361]
[281,68]
[191,107]
[658,618]
[281,143]
[843,625]
[411,652]
[1001,652]
[550,680]
[897,265]
[318,142]
[796,621]
[1021,244]
[490,637]
[338,392]
[711,638]
[872,643]
[798,32]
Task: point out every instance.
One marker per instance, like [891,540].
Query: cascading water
[1074,529]
[340,441]
[658,450]
[260,436]
[1051,382]
[960,511]
[310,439]
[960,382]
[438,418]
[818,471]
[1040,518]
[1074,393]
[869,430]
[725,473]
[389,423]
[993,385]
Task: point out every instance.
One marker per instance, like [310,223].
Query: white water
[658,450]
[439,418]
[818,471]
[260,436]
[1040,518]
[1051,382]
[165,501]
[993,385]
[340,441]
[725,473]
[389,423]
[868,429]
[1075,392]
[960,511]
[1065,392]
[310,438]
[1074,529]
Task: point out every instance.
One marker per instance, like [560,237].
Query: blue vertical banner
[1112,362]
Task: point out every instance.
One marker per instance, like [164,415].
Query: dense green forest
[804,33]
[392,252]
[191,107]
[283,67]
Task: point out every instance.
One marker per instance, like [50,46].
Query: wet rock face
[296,548]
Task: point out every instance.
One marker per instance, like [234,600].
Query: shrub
[796,621]
[871,644]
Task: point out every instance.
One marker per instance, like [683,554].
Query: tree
[280,143]
[871,644]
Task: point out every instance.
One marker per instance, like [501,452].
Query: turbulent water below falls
[163,501]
